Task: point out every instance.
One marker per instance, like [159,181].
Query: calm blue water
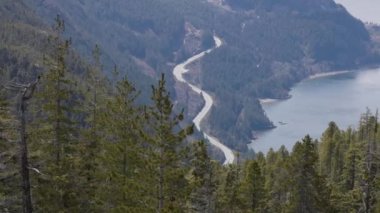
[314,103]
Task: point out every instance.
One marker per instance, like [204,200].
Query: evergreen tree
[252,188]
[202,180]
[346,195]
[327,149]
[308,192]
[56,135]
[352,159]
[229,197]
[278,182]
[92,134]
[167,151]
[127,185]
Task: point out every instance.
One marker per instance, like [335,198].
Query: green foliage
[92,135]
[113,155]
[331,161]
[23,40]
[56,130]
[10,199]
[278,179]
[129,158]
[229,199]
[252,188]
[268,46]
[271,48]
[353,157]
[124,160]
[308,193]
[127,32]
[167,151]
[202,180]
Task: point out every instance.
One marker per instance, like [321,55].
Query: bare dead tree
[27,92]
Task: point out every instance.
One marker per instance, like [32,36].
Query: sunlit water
[314,103]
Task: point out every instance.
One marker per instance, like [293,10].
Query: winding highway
[178,72]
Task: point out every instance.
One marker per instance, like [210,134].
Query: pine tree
[167,151]
[202,180]
[352,159]
[252,188]
[229,199]
[345,194]
[127,184]
[309,192]
[92,134]
[278,182]
[327,149]
[56,131]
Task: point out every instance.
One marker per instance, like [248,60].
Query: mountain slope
[23,40]
[269,46]
[274,47]
[140,37]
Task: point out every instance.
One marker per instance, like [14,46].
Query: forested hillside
[268,46]
[23,40]
[276,45]
[25,44]
[136,37]
[92,147]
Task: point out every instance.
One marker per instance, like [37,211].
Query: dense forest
[268,46]
[72,141]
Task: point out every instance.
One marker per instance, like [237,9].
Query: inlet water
[315,102]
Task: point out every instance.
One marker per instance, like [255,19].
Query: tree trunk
[161,187]
[58,125]
[27,201]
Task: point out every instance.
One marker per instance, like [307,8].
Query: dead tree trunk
[26,198]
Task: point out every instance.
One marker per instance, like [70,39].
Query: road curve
[178,72]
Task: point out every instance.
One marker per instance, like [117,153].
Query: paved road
[178,72]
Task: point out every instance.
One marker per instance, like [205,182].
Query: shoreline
[328,74]
[267,101]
